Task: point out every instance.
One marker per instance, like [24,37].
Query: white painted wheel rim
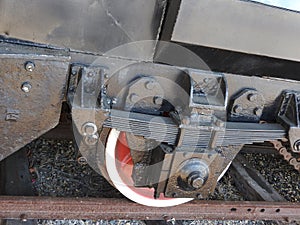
[126,190]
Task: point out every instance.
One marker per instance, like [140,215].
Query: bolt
[90,74]
[114,101]
[91,139]
[196,181]
[157,100]
[89,128]
[134,97]
[258,111]
[82,160]
[297,145]
[26,86]
[73,71]
[29,66]
[252,97]
[238,109]
[150,84]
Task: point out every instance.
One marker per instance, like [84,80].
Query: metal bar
[259,148]
[89,208]
[251,183]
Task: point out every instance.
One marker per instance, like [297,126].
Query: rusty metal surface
[31,95]
[94,26]
[85,208]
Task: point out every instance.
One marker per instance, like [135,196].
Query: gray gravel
[278,173]
[56,172]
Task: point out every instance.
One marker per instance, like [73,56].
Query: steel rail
[14,207]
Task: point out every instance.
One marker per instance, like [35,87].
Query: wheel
[119,167]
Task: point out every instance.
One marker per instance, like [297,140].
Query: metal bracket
[32,87]
[289,116]
[247,106]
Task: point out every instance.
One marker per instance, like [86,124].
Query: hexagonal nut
[252,97]
[26,86]
[29,66]
[91,139]
[151,84]
[158,100]
[134,98]
[89,128]
[258,111]
[238,109]
[196,181]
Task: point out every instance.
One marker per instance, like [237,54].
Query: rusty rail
[90,208]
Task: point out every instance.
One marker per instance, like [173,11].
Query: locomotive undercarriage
[180,127]
[180,146]
[161,121]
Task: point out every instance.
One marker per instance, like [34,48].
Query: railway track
[24,208]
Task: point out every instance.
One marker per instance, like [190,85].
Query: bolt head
[258,111]
[82,160]
[114,101]
[297,146]
[238,109]
[150,84]
[90,74]
[134,97]
[252,97]
[91,139]
[26,86]
[73,71]
[196,181]
[89,129]
[29,66]
[158,100]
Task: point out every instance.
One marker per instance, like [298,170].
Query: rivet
[91,139]
[258,111]
[238,109]
[29,66]
[89,128]
[150,84]
[134,97]
[90,74]
[26,86]
[252,97]
[157,100]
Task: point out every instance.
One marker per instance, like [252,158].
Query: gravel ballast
[56,172]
